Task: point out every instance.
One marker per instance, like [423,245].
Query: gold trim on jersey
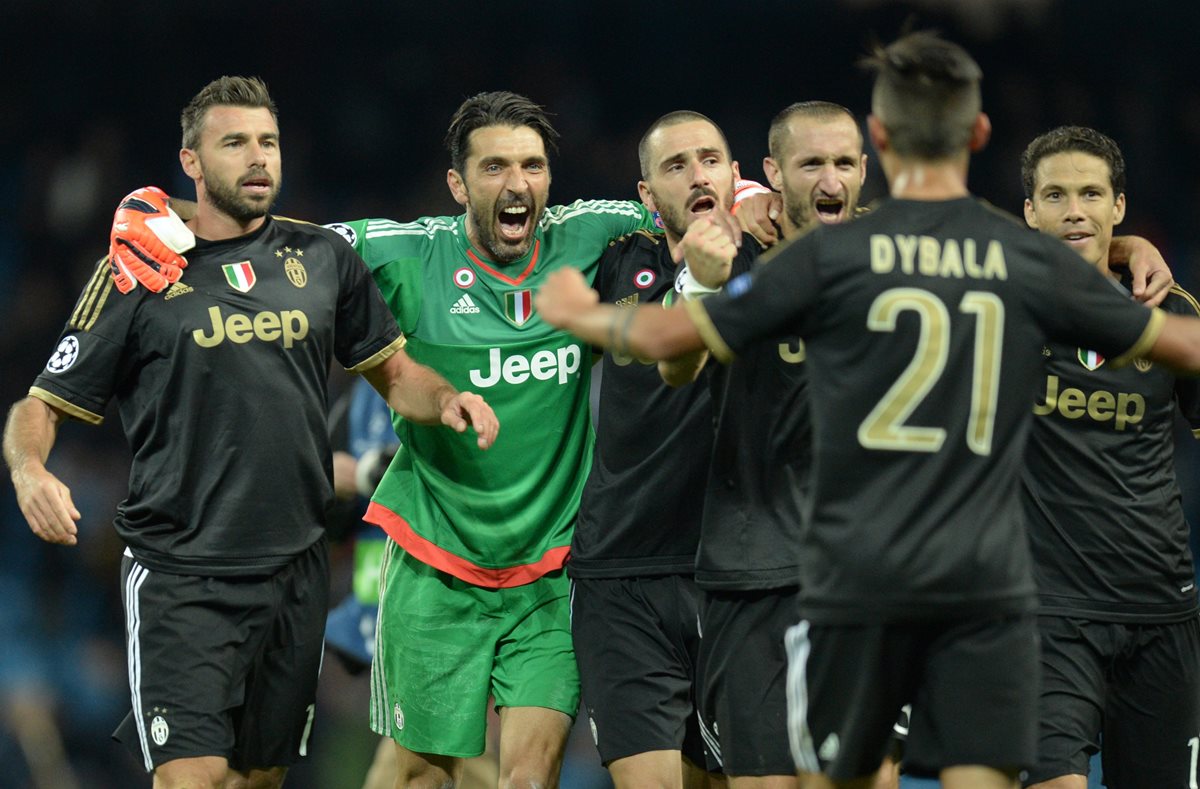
[708,332]
[1154,327]
[91,301]
[70,409]
[1189,298]
[379,356]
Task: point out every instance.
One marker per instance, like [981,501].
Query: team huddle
[867,489]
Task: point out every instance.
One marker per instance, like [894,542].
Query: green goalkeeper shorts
[443,646]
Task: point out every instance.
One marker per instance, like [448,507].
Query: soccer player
[922,322]
[221,388]
[634,600]
[462,288]
[1117,616]
[747,564]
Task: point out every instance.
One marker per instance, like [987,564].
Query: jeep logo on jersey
[290,326]
[518,306]
[544,365]
[240,275]
[1121,408]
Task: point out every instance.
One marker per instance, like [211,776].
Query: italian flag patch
[240,275]
[518,306]
[1089,359]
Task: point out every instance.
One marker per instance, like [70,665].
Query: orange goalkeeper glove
[147,237]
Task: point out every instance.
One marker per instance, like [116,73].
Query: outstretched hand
[467,409]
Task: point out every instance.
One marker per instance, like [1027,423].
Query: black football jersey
[1103,507]
[221,386]
[923,324]
[641,506]
[758,481]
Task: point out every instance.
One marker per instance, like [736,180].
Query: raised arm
[419,394]
[44,500]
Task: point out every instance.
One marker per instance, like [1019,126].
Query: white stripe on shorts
[711,742]
[133,653]
[799,736]
[381,717]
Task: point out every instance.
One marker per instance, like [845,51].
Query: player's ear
[646,195]
[1119,209]
[981,132]
[1030,216]
[737,173]
[771,170]
[862,170]
[877,133]
[458,188]
[190,163]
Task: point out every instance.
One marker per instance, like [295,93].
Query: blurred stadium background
[91,94]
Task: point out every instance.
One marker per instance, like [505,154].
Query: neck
[787,228]
[915,179]
[672,242]
[214,225]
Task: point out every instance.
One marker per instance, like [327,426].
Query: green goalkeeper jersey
[502,517]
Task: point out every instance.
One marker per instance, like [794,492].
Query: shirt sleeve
[82,373]
[1092,311]
[366,332]
[773,298]
[1187,388]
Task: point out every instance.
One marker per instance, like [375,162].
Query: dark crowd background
[89,103]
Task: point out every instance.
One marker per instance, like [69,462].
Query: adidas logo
[464,306]
[177,289]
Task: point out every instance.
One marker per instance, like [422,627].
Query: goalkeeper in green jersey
[474,599]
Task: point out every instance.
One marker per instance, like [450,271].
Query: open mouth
[513,221]
[1076,238]
[703,205]
[829,209]
[260,185]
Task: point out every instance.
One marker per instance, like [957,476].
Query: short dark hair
[926,94]
[496,108]
[673,119]
[223,92]
[816,110]
[1073,138]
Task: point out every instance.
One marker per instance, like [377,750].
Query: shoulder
[582,210]
[639,242]
[381,241]
[1180,302]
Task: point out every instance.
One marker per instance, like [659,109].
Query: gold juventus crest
[292,267]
